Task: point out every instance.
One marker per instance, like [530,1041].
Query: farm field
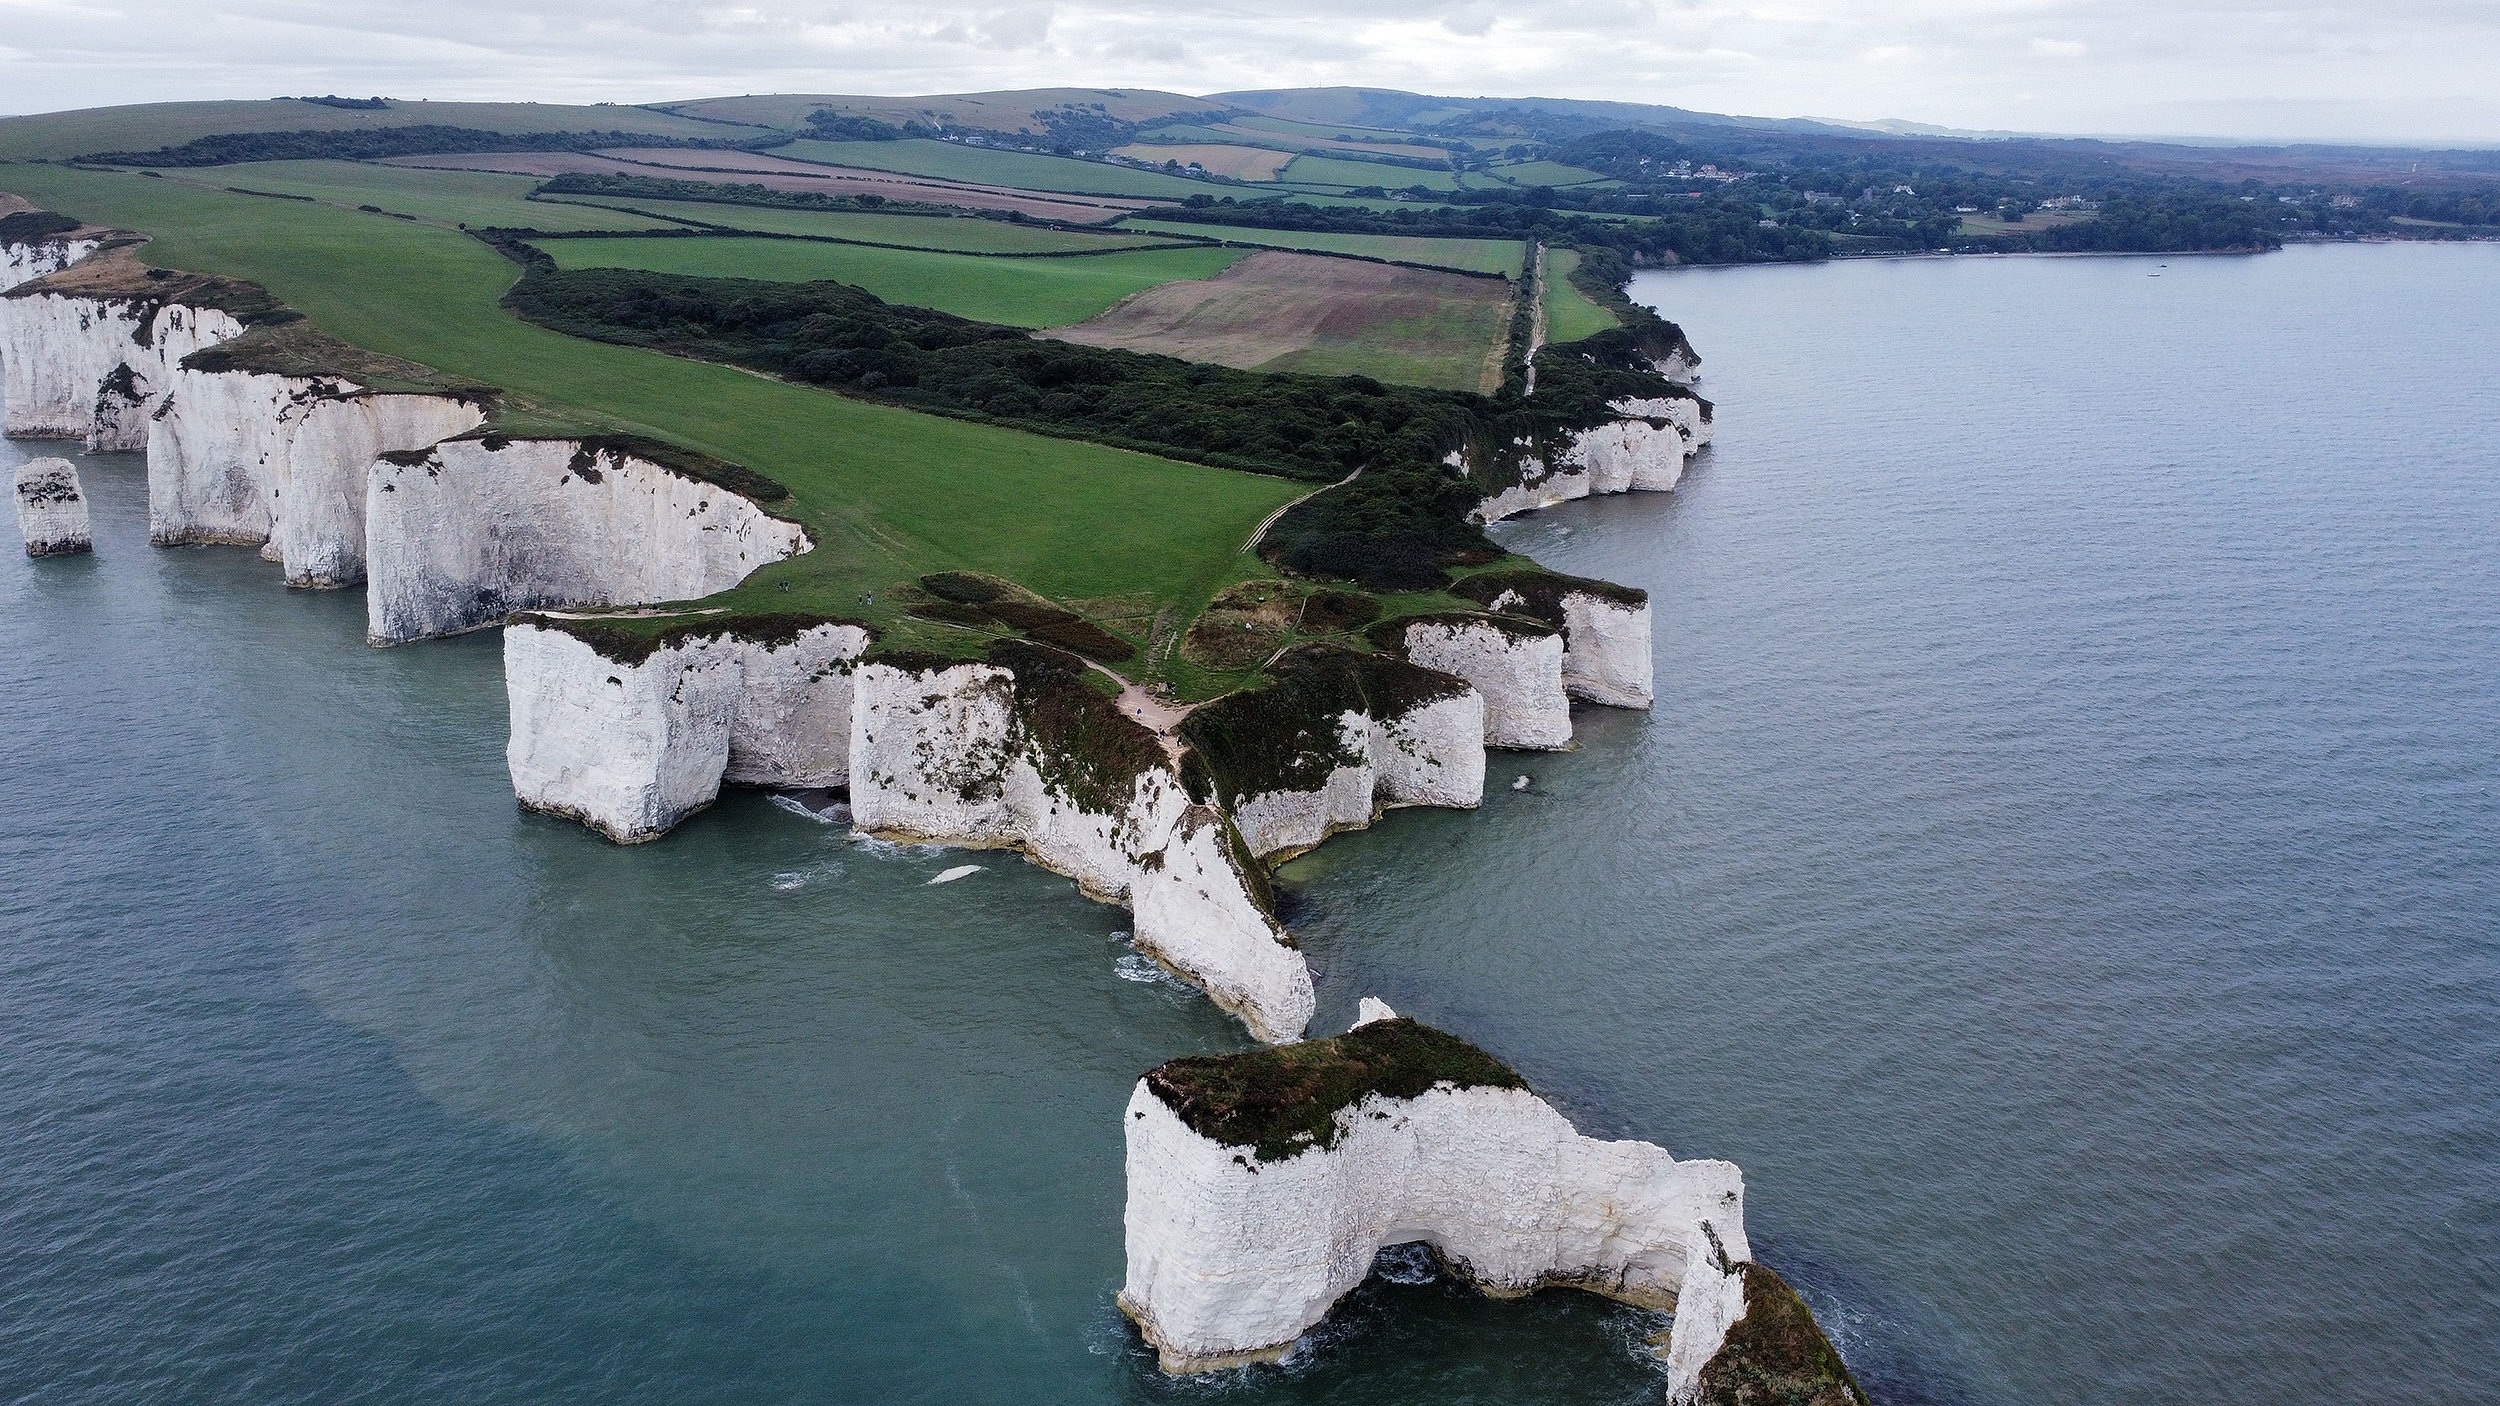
[1569,315]
[955,161]
[1338,171]
[1541,173]
[791,176]
[149,126]
[1001,111]
[886,493]
[1281,311]
[1248,163]
[2036,220]
[1502,256]
[964,234]
[451,197]
[1015,292]
[1237,133]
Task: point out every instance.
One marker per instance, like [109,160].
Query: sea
[2062,869]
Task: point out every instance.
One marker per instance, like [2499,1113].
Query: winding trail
[1259,534]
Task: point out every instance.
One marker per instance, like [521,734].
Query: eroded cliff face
[237,457]
[1605,629]
[27,261]
[474,529]
[1334,740]
[52,508]
[1516,664]
[95,369]
[630,736]
[1644,450]
[1027,757]
[1236,1249]
[283,461]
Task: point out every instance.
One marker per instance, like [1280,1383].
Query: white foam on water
[789,882]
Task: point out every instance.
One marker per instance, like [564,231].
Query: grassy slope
[1012,292]
[1569,315]
[1501,256]
[887,493]
[971,236]
[1543,173]
[148,126]
[1338,171]
[954,161]
[450,197]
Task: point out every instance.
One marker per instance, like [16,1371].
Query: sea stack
[52,509]
[1262,1185]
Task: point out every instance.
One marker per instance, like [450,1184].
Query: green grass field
[964,235]
[886,493]
[451,197]
[149,126]
[1338,171]
[1500,256]
[954,161]
[1569,315]
[1013,292]
[1542,173]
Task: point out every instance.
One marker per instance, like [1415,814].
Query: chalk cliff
[24,261]
[94,368]
[1020,752]
[1605,629]
[125,357]
[1643,449]
[1515,662]
[629,732]
[1262,1185]
[283,461]
[1335,739]
[469,531]
[52,508]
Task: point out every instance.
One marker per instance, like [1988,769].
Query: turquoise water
[2062,869]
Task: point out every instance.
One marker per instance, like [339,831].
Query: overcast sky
[2388,70]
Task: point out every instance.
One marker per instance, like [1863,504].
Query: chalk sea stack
[52,508]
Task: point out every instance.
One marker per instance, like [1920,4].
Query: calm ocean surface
[2063,868]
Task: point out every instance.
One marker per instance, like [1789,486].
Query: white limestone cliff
[283,462]
[475,529]
[1644,449]
[1517,666]
[1428,755]
[1232,1255]
[632,746]
[36,258]
[1605,629]
[942,753]
[52,508]
[95,369]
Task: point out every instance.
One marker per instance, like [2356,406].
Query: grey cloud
[2317,68]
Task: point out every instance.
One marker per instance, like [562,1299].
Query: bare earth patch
[1278,311]
[779,173]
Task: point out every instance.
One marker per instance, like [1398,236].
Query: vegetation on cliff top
[1285,735]
[1776,1355]
[1284,1100]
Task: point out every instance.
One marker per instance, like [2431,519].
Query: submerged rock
[52,508]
